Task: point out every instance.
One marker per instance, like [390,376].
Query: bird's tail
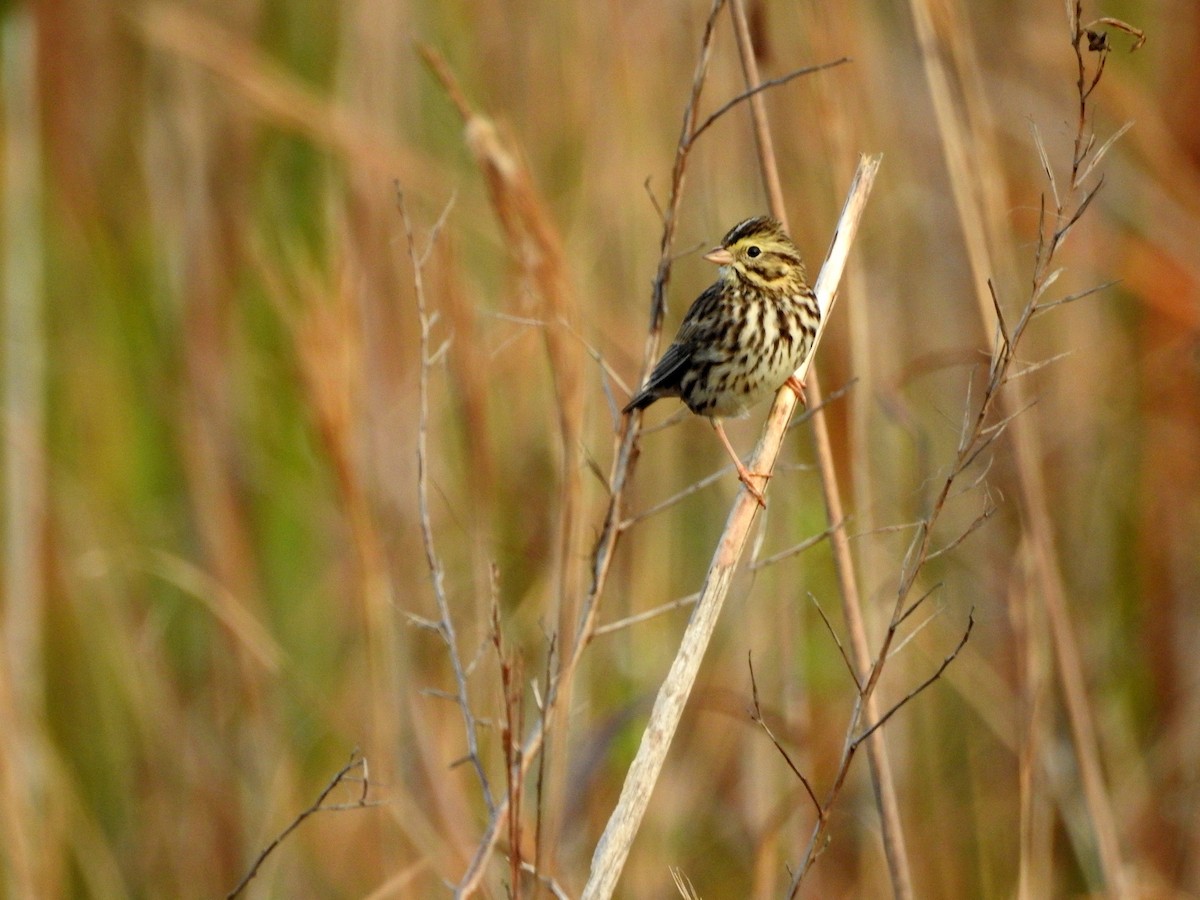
[640,400]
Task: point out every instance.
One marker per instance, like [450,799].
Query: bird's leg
[798,386]
[744,474]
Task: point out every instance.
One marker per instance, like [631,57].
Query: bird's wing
[665,378]
[666,371]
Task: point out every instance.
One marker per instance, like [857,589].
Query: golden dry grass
[215,584]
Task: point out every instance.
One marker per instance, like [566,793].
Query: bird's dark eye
[753,252]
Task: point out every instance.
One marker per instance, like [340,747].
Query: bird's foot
[745,476]
[798,386]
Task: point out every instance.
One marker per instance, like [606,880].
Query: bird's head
[759,253]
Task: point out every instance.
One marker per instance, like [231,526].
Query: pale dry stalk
[613,848]
[881,771]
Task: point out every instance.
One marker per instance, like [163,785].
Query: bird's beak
[720,256]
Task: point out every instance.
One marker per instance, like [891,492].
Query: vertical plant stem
[955,145]
[445,624]
[22,776]
[881,771]
[625,454]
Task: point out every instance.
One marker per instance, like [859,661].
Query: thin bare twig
[976,524]
[548,680]
[795,549]
[763,86]
[646,615]
[950,657]
[511,729]
[916,604]
[1078,295]
[693,488]
[756,716]
[445,623]
[891,824]
[838,641]
[357,763]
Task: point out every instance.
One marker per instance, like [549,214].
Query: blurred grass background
[212,551]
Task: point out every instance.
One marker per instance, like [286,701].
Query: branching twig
[890,821]
[756,716]
[950,657]
[838,641]
[445,623]
[626,437]
[762,86]
[614,844]
[982,428]
[357,762]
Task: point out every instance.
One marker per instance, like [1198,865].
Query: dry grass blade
[224,606]
[279,98]
[1078,295]
[684,885]
[1098,156]
[25,778]
[1047,170]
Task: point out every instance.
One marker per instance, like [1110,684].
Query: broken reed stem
[881,772]
[613,848]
